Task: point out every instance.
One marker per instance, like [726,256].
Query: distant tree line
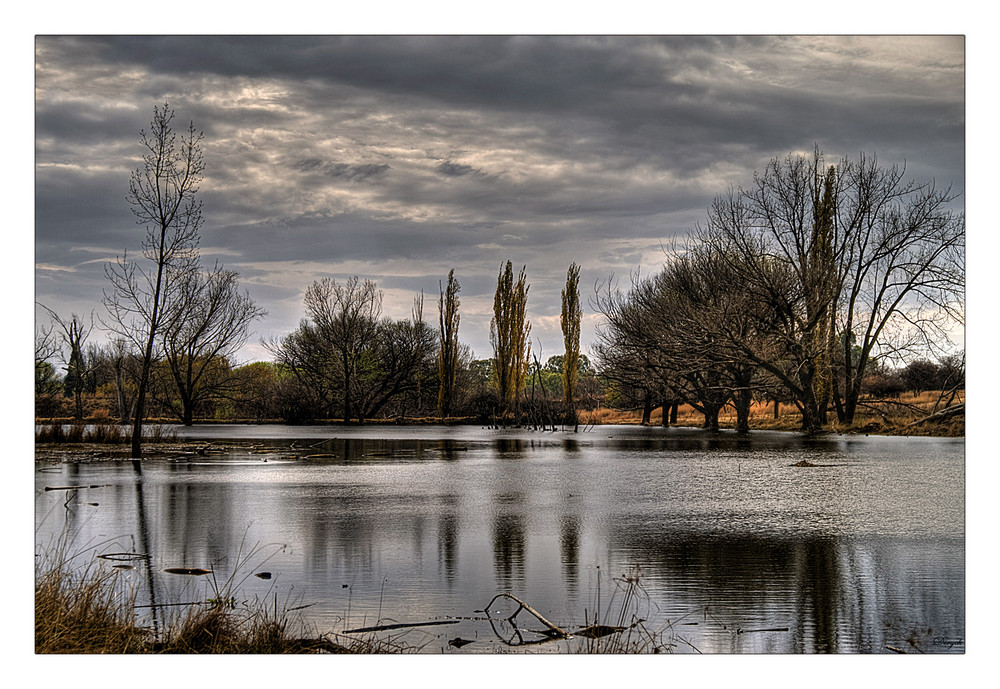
[344,361]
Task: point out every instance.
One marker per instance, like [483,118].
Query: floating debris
[191,571]
[772,629]
[122,557]
[596,631]
[99,485]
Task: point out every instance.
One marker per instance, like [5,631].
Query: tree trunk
[743,401]
[78,400]
[853,394]
[711,413]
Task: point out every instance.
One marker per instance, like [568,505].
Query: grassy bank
[883,417]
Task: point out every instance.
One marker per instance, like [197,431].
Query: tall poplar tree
[569,320]
[448,303]
[509,331]
[821,272]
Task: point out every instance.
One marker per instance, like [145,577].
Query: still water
[718,543]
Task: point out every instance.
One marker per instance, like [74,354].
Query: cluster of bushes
[917,376]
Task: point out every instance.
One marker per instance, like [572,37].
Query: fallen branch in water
[100,485]
[401,625]
[555,631]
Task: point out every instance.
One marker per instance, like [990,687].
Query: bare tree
[162,194]
[901,275]
[46,380]
[347,315]
[779,248]
[345,350]
[74,333]
[119,363]
[849,257]
[207,323]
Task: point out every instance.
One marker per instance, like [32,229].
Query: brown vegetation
[93,612]
[880,417]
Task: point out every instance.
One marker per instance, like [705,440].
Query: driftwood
[772,629]
[554,631]
[401,625]
[99,485]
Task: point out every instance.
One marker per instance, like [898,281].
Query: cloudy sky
[398,158]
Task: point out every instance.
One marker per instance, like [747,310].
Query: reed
[100,431]
[92,610]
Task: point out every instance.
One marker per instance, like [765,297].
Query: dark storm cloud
[404,156]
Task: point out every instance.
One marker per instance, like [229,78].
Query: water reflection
[448,545]
[738,550]
[814,595]
[508,540]
[569,551]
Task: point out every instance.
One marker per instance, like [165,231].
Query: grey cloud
[345,170]
[450,169]
[430,148]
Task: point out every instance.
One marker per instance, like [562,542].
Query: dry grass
[100,431]
[894,418]
[92,611]
[85,612]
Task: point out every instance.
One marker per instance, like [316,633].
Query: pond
[717,543]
